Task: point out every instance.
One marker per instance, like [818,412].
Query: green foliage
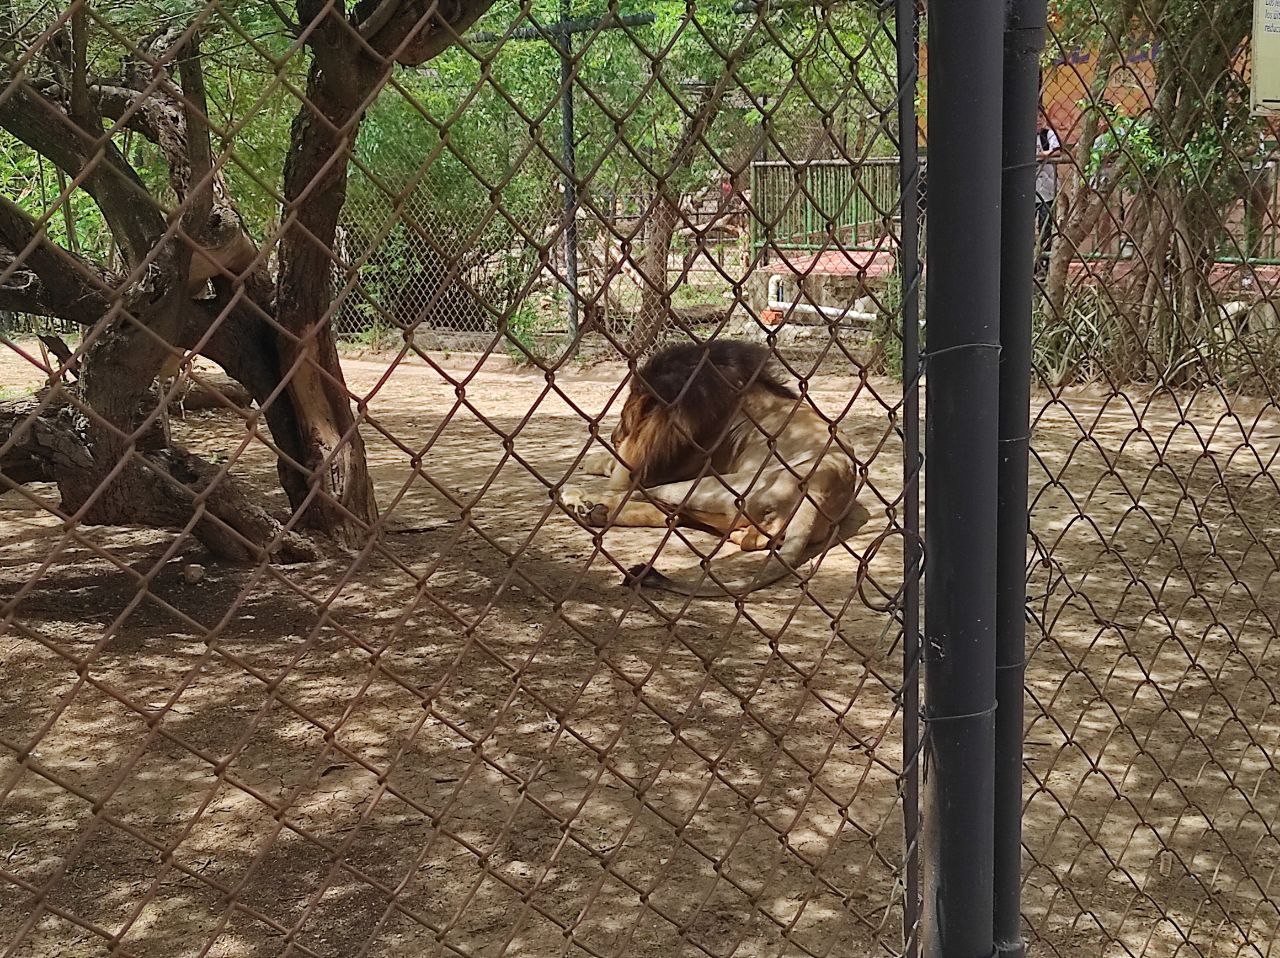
[1096,338]
[244,51]
[454,195]
[886,331]
[33,183]
[1141,146]
[376,336]
[520,332]
[1123,136]
[1082,342]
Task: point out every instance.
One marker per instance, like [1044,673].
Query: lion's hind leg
[715,504]
[600,462]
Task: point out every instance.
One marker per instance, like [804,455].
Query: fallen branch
[163,487]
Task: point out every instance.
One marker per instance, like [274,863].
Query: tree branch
[378,19]
[58,283]
[156,118]
[423,29]
[199,199]
[81,107]
[132,214]
[161,116]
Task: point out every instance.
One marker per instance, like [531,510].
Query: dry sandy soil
[471,739]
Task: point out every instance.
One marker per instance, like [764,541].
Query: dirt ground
[471,739]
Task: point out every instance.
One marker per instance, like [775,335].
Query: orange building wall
[1068,79]
[1066,84]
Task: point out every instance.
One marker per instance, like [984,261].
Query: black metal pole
[570,172]
[564,31]
[906,39]
[961,435]
[1023,40]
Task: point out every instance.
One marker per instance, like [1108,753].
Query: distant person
[1048,149]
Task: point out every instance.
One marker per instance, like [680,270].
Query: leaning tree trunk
[157,485]
[113,463]
[334,466]
[655,296]
[351,61]
[104,448]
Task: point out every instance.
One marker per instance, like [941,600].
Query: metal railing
[819,205]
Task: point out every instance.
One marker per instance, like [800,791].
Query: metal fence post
[569,158]
[1023,39]
[961,435]
[906,38]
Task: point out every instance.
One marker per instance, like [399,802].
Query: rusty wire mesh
[303,654]
[1151,737]
[440,724]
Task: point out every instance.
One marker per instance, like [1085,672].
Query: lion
[711,437]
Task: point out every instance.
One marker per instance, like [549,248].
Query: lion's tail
[796,550]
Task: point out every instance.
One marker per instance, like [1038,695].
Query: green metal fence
[821,204]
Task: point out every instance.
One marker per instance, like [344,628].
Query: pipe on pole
[1023,41]
[962,392]
[906,39]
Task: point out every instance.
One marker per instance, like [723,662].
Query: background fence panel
[1151,740]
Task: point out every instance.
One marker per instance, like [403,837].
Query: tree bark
[112,463]
[655,296]
[315,190]
[334,487]
[125,471]
[160,486]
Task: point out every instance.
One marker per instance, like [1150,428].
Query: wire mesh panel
[1151,736]
[322,632]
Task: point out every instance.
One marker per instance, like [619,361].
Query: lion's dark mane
[698,388]
[706,381]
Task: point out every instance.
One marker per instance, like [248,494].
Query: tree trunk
[655,297]
[159,485]
[334,488]
[109,456]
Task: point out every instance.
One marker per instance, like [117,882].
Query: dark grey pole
[1023,40]
[570,159]
[961,449]
[906,38]
[560,35]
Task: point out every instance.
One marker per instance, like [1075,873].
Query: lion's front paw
[599,463]
[585,509]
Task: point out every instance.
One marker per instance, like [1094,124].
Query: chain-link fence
[313,641]
[1151,744]
[364,468]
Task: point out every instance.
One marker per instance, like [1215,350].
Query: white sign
[1265,66]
